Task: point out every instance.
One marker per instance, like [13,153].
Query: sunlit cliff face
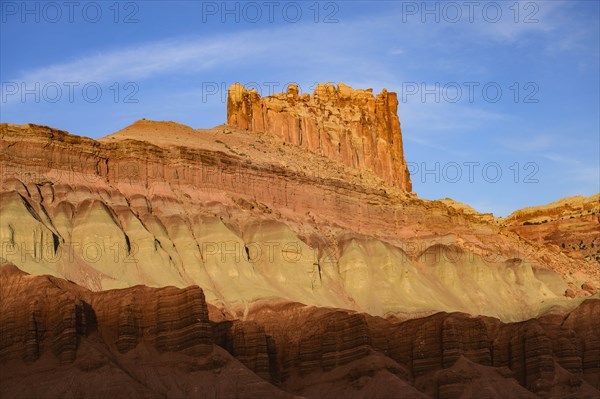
[248,218]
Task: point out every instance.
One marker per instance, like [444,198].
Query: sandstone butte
[350,126]
[281,255]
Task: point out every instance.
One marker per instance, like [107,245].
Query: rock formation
[343,124]
[569,225]
[68,342]
[282,255]
[219,209]
[443,355]
[160,342]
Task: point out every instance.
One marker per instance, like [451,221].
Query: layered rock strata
[443,355]
[160,342]
[570,225]
[69,342]
[187,207]
[350,126]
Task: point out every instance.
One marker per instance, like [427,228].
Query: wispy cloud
[150,59]
[561,158]
[530,143]
[519,19]
[328,47]
[446,119]
[284,48]
[575,169]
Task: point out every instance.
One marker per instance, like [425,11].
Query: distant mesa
[351,126]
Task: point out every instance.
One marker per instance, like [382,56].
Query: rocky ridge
[135,343]
[570,226]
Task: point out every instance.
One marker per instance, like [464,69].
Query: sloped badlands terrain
[323,274]
[145,342]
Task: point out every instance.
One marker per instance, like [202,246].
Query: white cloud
[577,170]
[520,19]
[318,52]
[445,119]
[529,143]
[150,59]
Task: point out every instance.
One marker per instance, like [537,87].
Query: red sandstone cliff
[343,124]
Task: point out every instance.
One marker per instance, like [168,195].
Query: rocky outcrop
[443,355]
[569,226]
[565,208]
[132,343]
[39,317]
[48,314]
[581,347]
[323,274]
[343,124]
[248,342]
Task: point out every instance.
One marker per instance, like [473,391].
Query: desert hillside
[281,255]
[243,215]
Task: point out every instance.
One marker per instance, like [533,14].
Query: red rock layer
[158,342]
[351,126]
[49,314]
[555,356]
[68,342]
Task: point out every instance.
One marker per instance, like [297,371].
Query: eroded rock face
[569,226]
[300,233]
[159,342]
[346,125]
[186,207]
[443,355]
[135,343]
[41,310]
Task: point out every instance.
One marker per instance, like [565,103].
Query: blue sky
[499,101]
